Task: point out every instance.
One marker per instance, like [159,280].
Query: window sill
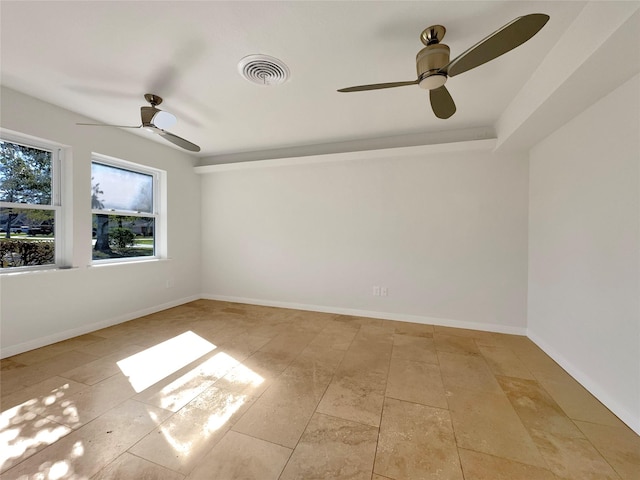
[53,269]
[34,270]
[115,262]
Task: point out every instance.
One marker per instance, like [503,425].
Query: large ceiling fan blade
[108,125]
[501,41]
[175,139]
[377,86]
[442,103]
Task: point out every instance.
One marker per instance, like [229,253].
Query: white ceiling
[99,58]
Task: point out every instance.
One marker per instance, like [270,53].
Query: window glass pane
[118,236]
[26,237]
[25,174]
[115,188]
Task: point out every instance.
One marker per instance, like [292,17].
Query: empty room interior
[320,240]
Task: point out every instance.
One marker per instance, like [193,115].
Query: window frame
[157,204]
[57,152]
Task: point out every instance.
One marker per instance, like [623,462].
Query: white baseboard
[403,317]
[588,383]
[91,327]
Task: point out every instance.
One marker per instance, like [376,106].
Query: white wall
[446,233]
[38,308]
[584,249]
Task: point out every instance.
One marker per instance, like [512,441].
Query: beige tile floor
[214,390]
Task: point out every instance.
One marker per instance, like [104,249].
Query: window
[30,208]
[124,204]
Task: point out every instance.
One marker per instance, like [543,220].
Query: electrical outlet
[169,283]
[384,291]
[376,291]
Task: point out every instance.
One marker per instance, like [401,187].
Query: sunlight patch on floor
[155,363]
[61,469]
[29,427]
[226,404]
[231,404]
[58,470]
[14,445]
[195,381]
[242,377]
[23,431]
[222,403]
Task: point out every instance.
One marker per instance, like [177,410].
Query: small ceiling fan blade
[377,86]
[108,125]
[442,103]
[510,36]
[181,142]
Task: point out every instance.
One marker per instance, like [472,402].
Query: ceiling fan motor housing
[428,62]
[147,114]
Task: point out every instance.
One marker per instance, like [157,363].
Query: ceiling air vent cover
[263,70]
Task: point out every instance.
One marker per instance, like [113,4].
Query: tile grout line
[526,429]
[455,435]
[384,401]
[573,421]
[315,410]
[262,393]
[141,458]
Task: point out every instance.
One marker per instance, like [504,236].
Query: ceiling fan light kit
[434,66]
[164,119]
[433,81]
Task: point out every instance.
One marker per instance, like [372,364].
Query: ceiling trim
[399,152]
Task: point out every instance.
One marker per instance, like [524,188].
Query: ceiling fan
[155,120]
[434,67]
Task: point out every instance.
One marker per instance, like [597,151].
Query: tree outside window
[124,213]
[27,209]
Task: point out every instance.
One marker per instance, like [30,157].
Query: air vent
[263,70]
